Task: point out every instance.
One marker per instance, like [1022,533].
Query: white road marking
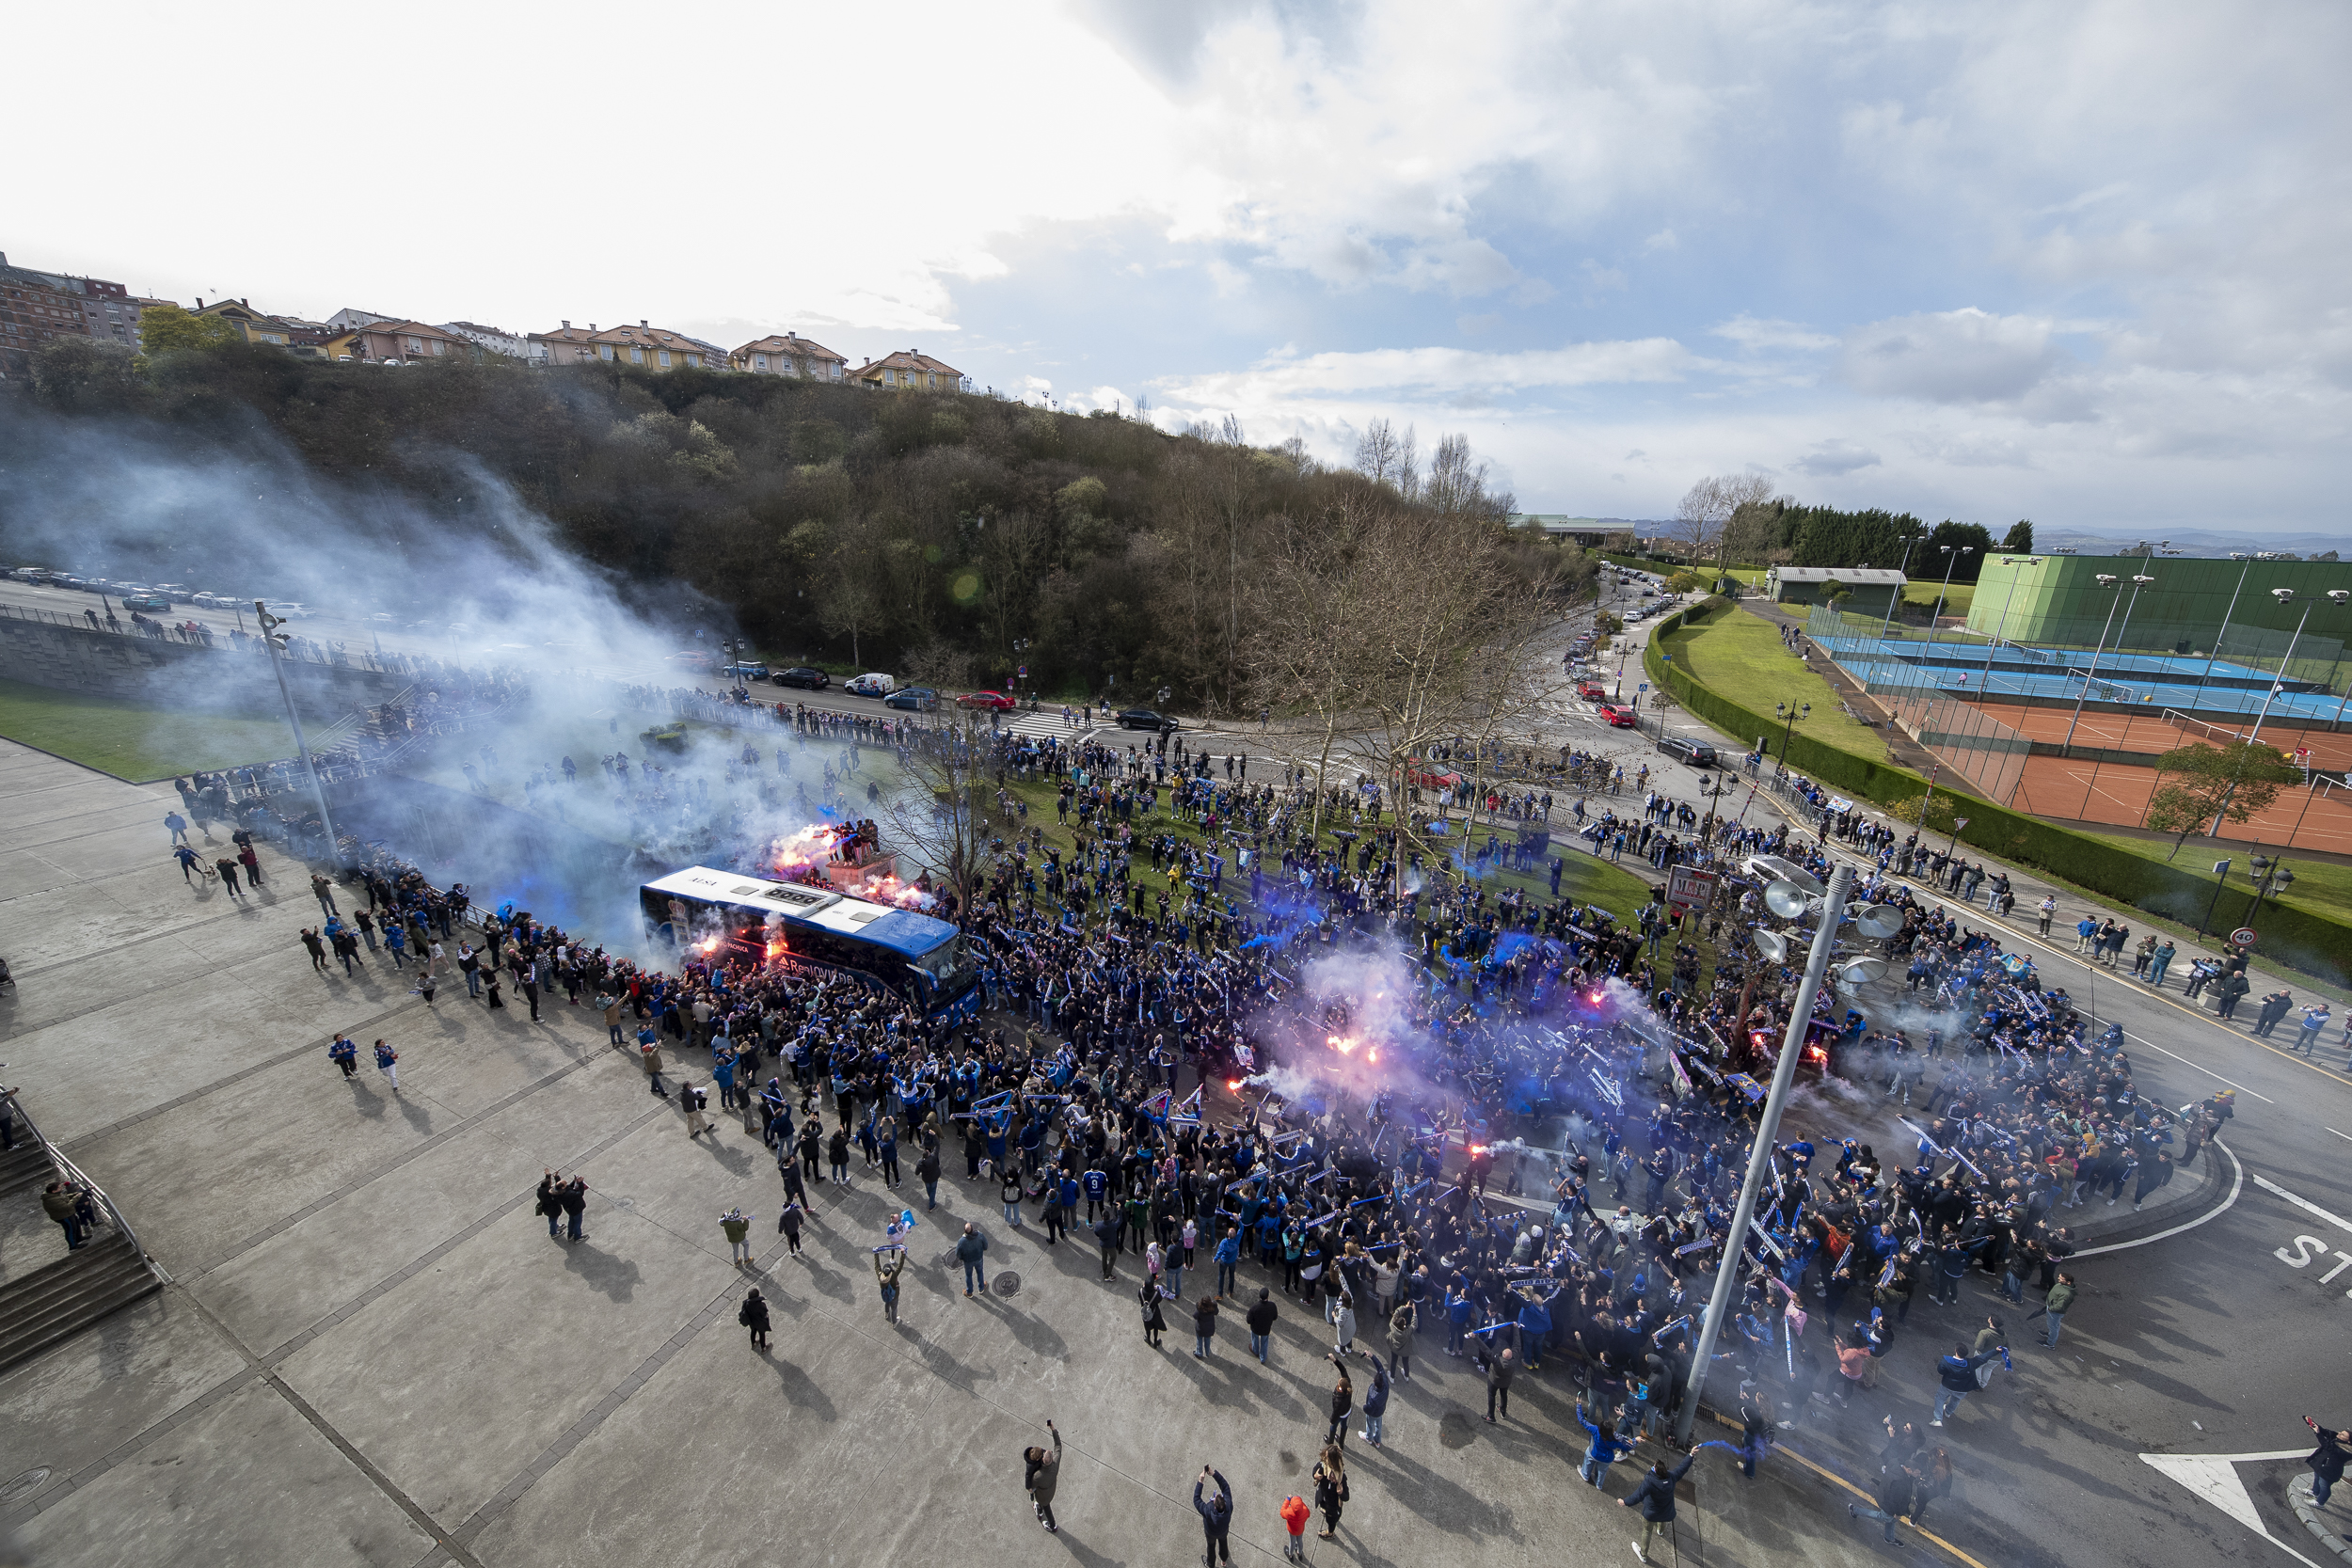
[2346,1136]
[2303,1203]
[2237,1185]
[2215,1477]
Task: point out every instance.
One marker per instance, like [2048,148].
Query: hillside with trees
[946,536]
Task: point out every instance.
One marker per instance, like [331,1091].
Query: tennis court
[2075,790]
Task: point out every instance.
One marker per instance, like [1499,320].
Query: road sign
[1022,672]
[1960,822]
[2245,936]
[1644,686]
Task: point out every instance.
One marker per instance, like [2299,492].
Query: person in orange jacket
[1294,1516]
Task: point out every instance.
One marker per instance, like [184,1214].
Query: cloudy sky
[2083,264]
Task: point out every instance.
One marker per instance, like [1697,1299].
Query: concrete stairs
[26,1165]
[57,1302]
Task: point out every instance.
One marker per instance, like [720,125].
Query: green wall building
[2057,601]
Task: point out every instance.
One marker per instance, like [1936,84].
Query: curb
[2299,1493]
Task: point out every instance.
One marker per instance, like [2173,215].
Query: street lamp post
[274,641]
[1760,1157]
[1792,712]
[2138,582]
[2221,881]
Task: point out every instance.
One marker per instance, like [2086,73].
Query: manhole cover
[1006,1284]
[1455,1431]
[23,1485]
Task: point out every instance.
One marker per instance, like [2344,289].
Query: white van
[874,684]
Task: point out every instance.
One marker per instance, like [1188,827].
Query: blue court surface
[1898,666]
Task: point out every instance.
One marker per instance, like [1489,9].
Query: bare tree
[940,811]
[1457,483]
[1708,505]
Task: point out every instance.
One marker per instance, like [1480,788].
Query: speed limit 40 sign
[2245,936]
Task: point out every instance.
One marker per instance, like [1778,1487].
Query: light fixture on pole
[1957,553]
[1760,1156]
[1792,712]
[1895,595]
[2012,561]
[2284,596]
[274,641]
[2224,632]
[2138,582]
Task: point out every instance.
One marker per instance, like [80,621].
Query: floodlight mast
[1760,1158]
[274,641]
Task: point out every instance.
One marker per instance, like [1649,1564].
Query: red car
[1621,717]
[1592,691]
[997,700]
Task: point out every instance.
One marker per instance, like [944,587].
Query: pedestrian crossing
[1045,721]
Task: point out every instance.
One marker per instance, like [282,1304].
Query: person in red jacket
[1294,1516]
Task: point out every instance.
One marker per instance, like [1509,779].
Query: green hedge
[2297,938]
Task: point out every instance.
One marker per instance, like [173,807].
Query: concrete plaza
[372,1352]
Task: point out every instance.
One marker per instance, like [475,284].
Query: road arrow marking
[2214,1476]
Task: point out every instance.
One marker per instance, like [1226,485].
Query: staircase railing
[75,1176]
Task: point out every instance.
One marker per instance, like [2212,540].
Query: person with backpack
[694,1097]
[753,1315]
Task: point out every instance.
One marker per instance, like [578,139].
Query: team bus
[919,958]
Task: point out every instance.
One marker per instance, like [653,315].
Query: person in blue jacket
[1375,1401]
[1602,1446]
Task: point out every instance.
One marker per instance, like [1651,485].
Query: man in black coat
[1655,1497]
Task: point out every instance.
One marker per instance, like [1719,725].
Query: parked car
[1431,776]
[804,678]
[1147,719]
[996,701]
[746,671]
[873,683]
[146,601]
[1592,691]
[913,699]
[1698,754]
[1619,718]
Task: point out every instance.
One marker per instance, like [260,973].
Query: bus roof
[901,930]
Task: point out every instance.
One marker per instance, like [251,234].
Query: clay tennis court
[2331,749]
[2077,790]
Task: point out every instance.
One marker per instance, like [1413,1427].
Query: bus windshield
[948,966]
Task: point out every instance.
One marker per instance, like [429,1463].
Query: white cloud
[1836,459]
[1439,371]
[1965,355]
[1664,240]
[1751,333]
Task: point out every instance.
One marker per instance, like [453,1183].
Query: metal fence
[195,634]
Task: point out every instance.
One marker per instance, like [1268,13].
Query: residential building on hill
[908,368]
[492,339]
[37,307]
[565,345]
[790,355]
[657,348]
[401,343]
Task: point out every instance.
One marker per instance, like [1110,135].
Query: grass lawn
[1583,876]
[1922,594]
[2322,887]
[140,744]
[1739,656]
